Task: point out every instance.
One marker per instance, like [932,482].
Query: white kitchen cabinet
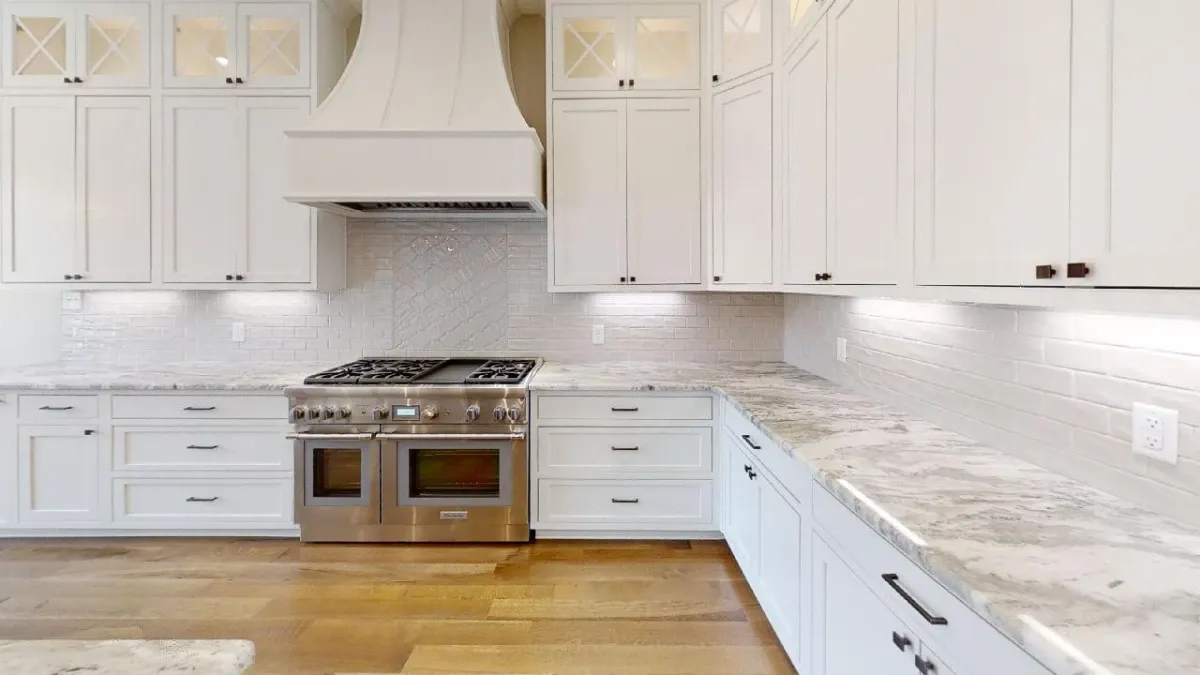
[993,141]
[743,207]
[59,475]
[626,204]
[618,47]
[225,168]
[743,532]
[741,41]
[932,664]
[73,45]
[805,132]
[1135,212]
[8,460]
[76,189]
[243,44]
[779,564]
[853,631]
[589,177]
[798,20]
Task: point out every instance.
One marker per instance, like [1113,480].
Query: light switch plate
[239,331]
[1156,432]
[72,301]
[598,334]
[841,350]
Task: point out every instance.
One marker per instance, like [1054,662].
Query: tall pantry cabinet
[143,147]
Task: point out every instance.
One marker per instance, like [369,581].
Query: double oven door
[404,484]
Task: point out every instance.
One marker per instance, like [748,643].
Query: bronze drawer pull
[893,580]
[57,408]
[746,437]
[193,408]
[202,447]
[625,501]
[206,500]
[631,448]
[616,409]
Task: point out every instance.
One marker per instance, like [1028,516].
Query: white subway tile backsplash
[1052,387]
[426,289]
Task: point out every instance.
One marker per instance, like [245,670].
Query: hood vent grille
[369,208]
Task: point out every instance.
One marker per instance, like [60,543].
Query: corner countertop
[126,657]
[1038,555]
[184,376]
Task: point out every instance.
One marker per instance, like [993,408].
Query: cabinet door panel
[806,134]
[8,460]
[664,190]
[744,514]
[113,44]
[38,188]
[779,566]
[992,141]
[741,37]
[1148,236]
[273,44]
[278,233]
[797,20]
[852,629]
[203,189]
[742,184]
[664,46]
[589,54]
[113,181]
[864,46]
[588,205]
[59,475]
[200,44]
[39,44]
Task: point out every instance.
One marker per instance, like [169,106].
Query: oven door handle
[520,436]
[330,437]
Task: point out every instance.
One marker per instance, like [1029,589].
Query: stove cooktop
[396,371]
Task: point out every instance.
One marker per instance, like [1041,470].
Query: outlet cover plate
[1156,432]
[841,350]
[72,301]
[239,331]
[598,334]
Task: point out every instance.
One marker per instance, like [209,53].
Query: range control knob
[344,412]
[499,413]
[299,413]
[515,412]
[328,413]
[472,412]
[314,413]
[379,414]
[430,412]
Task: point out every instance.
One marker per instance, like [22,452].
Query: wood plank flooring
[575,608]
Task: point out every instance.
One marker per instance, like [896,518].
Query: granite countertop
[186,375]
[1037,554]
[125,657]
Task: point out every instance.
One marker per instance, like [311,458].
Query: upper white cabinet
[225,217]
[741,41]
[798,20]
[742,179]
[252,44]
[615,47]
[76,189]
[805,135]
[77,45]
[993,141]
[626,192]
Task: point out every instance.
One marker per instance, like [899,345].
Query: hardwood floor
[637,608]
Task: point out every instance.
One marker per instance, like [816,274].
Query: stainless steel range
[420,450]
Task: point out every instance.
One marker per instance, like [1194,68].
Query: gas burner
[385,371]
[501,371]
[376,371]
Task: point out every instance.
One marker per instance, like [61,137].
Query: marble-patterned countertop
[186,375]
[1040,556]
[125,657]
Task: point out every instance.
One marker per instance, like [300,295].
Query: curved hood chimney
[423,122]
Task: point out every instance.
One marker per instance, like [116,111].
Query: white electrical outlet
[239,331]
[1156,432]
[841,350]
[72,301]
[598,334]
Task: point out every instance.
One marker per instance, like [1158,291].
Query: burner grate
[376,371]
[501,371]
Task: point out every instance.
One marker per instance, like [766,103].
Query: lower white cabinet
[58,474]
[202,502]
[8,460]
[616,504]
[743,184]
[744,518]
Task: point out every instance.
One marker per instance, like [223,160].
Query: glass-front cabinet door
[113,44]
[39,48]
[75,45]
[664,46]
[588,50]
[273,44]
[200,49]
[796,13]
[741,38]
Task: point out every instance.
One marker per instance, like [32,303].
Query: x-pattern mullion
[589,49]
[201,47]
[114,46]
[40,45]
[661,49]
[273,46]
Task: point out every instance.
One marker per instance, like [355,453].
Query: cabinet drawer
[624,408]
[965,638]
[591,450]
[44,409]
[791,473]
[662,503]
[200,406]
[182,448]
[202,501]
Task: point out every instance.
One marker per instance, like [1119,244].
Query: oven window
[337,472]
[454,473]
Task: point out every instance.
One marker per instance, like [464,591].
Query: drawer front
[626,408]
[663,503]
[201,406]
[966,637]
[49,409]
[591,450]
[202,501]
[791,473]
[184,448]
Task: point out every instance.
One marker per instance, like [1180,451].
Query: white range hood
[423,122]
